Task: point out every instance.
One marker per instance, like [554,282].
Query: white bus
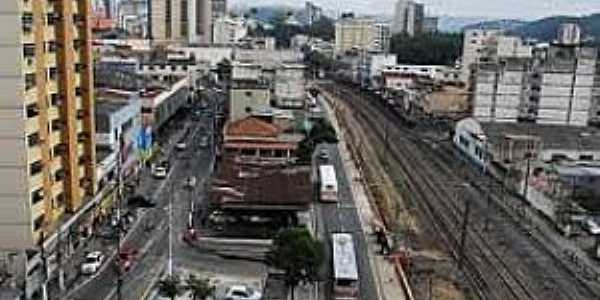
[329,186]
[345,269]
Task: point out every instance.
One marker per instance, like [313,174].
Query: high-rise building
[184,21]
[219,8]
[47,149]
[569,34]
[408,18]
[313,13]
[430,24]
[383,37]
[229,30]
[355,34]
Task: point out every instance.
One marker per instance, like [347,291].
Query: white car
[92,263]
[180,146]
[592,226]
[240,292]
[159,172]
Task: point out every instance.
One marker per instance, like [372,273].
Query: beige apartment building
[355,33]
[181,21]
[47,148]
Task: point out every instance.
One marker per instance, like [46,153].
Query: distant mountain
[456,24]
[546,29]
[508,25]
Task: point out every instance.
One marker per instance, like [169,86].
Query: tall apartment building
[182,21]
[383,36]
[476,45]
[219,9]
[47,160]
[409,17]
[355,34]
[558,84]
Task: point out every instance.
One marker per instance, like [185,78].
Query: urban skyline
[526,10]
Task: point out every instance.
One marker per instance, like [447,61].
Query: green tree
[170,287]
[299,255]
[201,289]
[427,49]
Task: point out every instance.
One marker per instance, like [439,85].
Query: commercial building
[383,37]
[555,85]
[409,17]
[290,86]
[118,126]
[185,21]
[355,34]
[47,164]
[248,96]
[229,30]
[219,9]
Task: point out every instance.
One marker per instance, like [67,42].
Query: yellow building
[47,148]
[355,33]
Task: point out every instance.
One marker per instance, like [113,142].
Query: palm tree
[200,288]
[170,287]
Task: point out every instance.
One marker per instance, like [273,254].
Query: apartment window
[54,99]
[29,50]
[199,21]
[35,168]
[27,20]
[32,110]
[36,196]
[51,19]
[60,200]
[51,47]
[59,175]
[38,222]
[52,73]
[78,91]
[77,44]
[33,139]
[29,81]
[78,68]
[586,157]
[56,125]
[248,93]
[168,15]
[184,18]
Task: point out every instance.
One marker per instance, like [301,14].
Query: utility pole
[170,266]
[463,235]
[45,275]
[119,219]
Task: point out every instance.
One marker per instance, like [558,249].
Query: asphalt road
[343,217]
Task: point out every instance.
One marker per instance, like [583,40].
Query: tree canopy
[298,254]
[427,49]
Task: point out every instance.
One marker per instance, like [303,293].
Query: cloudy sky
[523,9]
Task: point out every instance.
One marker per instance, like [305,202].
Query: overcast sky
[523,9]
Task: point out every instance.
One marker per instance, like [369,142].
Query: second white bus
[329,187]
[345,269]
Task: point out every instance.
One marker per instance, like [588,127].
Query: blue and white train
[470,139]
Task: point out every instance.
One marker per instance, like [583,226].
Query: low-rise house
[253,138]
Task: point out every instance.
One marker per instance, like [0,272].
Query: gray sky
[524,9]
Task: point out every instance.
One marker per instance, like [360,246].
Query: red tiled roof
[252,127]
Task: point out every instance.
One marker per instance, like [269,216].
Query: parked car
[203,142]
[191,182]
[181,146]
[324,154]
[159,172]
[240,292]
[92,263]
[165,164]
[592,227]
[140,201]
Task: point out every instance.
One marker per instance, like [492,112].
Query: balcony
[32,125]
[58,188]
[28,65]
[50,60]
[56,165]
[36,181]
[81,172]
[80,150]
[34,154]
[28,37]
[52,86]
[50,33]
[27,5]
[53,113]
[30,97]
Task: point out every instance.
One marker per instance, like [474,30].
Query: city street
[343,217]
[150,236]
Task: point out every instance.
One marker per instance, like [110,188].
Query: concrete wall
[243,101]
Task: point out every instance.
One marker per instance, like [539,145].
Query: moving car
[324,155]
[240,292]
[92,263]
[204,142]
[140,201]
[180,146]
[592,227]
[159,172]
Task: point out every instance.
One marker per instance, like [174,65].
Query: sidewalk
[387,280]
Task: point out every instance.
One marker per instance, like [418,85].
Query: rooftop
[553,136]
[251,186]
[251,126]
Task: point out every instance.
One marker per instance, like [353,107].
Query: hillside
[546,29]
[508,24]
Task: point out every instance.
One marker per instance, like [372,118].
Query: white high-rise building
[408,18]
[187,21]
[569,34]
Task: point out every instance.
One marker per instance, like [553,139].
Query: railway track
[493,275]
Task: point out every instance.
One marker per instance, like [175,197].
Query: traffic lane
[104,281]
[343,217]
